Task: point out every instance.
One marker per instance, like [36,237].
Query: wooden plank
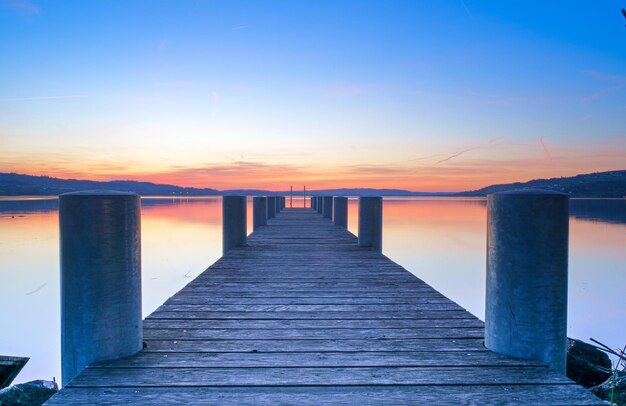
[312,324]
[316,359]
[254,290]
[190,298]
[245,315]
[279,285]
[316,345]
[548,395]
[174,376]
[306,334]
[257,290]
[308,308]
[291,278]
[315,294]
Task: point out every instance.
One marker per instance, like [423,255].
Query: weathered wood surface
[332,395]
[302,315]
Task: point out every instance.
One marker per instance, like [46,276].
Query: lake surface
[440,240]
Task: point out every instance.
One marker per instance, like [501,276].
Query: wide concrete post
[234,222]
[371,222]
[100,236]
[327,208]
[340,211]
[526,304]
[271,207]
[259,212]
[319,204]
[314,202]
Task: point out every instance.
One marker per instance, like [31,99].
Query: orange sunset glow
[460,171]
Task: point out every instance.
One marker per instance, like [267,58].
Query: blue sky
[426,95]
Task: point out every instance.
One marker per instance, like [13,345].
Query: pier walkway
[302,315]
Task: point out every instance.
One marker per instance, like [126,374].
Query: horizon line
[307,190]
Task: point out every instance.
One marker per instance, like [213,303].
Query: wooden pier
[302,315]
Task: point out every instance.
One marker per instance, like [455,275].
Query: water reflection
[14,207]
[440,240]
[600,210]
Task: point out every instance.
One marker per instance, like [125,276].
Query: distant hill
[600,184]
[13,184]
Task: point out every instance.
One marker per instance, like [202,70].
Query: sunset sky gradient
[422,95]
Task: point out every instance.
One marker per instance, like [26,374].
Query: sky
[444,95]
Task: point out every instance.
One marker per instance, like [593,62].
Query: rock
[587,365]
[33,393]
[618,383]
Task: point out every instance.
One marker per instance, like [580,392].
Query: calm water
[441,240]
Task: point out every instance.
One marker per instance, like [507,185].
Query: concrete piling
[259,212]
[271,207]
[327,208]
[319,204]
[234,222]
[371,222]
[526,298]
[100,236]
[340,209]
